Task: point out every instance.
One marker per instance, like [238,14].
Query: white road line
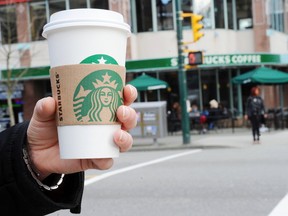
[281,209]
[140,165]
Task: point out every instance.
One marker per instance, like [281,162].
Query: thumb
[45,109]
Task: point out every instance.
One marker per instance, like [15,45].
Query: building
[239,36]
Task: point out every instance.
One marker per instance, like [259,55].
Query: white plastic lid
[86,17]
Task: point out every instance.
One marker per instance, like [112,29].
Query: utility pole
[182,77]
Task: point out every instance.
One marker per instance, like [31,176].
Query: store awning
[262,75]
[146,82]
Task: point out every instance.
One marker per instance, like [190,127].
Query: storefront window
[244,14]
[276,14]
[99,4]
[8,24]
[193,88]
[78,4]
[144,15]
[230,11]
[37,20]
[219,14]
[152,15]
[209,91]
[204,7]
[56,5]
[164,14]
[223,87]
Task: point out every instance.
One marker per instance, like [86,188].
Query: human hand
[43,138]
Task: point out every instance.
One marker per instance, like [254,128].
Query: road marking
[281,209]
[140,165]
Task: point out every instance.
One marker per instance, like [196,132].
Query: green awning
[262,75]
[27,73]
[146,82]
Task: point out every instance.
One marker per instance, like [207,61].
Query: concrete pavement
[222,138]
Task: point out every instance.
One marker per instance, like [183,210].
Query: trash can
[151,120]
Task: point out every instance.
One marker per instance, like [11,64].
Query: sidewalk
[222,138]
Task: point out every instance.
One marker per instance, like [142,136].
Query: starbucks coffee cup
[87,50]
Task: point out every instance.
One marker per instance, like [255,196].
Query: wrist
[36,176]
[40,173]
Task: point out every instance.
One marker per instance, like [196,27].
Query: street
[247,180]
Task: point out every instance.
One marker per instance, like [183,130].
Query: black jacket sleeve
[248,106]
[19,192]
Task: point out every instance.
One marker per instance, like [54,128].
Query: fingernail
[132,91]
[125,112]
[122,137]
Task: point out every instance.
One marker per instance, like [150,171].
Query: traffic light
[195,58]
[196,27]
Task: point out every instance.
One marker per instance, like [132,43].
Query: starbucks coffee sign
[241,59]
[232,59]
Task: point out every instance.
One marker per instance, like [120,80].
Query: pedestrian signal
[195,58]
[196,27]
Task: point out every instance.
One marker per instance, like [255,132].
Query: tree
[14,54]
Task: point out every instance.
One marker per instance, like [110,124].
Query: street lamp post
[182,77]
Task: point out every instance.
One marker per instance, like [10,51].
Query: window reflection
[204,8]
[219,14]
[37,20]
[187,7]
[244,14]
[99,4]
[276,14]
[144,15]
[56,5]
[78,4]
[8,24]
[164,15]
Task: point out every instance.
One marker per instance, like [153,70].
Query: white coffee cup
[87,36]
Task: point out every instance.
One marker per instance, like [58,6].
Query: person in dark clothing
[33,178]
[255,110]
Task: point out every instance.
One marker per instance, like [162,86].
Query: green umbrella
[262,75]
[146,82]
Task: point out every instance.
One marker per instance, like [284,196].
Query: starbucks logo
[98,95]
[99,59]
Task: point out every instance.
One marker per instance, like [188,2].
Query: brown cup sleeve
[87,94]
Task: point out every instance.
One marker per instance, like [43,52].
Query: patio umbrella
[265,76]
[262,75]
[146,82]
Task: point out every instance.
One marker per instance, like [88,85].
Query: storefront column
[123,7]
[200,90]
[231,91]
[158,91]
[262,41]
[260,25]
[240,101]
[239,95]
[217,86]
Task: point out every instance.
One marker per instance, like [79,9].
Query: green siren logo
[98,95]
[99,59]
[98,100]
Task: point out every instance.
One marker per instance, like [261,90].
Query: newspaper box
[151,119]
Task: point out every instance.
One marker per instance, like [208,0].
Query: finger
[101,164]
[123,139]
[130,94]
[127,116]
[45,109]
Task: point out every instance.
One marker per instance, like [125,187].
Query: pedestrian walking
[255,111]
